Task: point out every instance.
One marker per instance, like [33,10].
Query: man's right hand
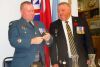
[55,65]
[37,40]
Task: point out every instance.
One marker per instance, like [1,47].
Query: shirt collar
[68,20]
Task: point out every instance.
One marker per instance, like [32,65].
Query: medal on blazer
[80,30]
[56,31]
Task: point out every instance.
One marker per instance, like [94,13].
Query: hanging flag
[45,17]
[36,4]
[54,10]
[43,13]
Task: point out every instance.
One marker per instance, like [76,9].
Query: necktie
[72,46]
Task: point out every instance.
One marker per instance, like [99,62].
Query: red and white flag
[43,14]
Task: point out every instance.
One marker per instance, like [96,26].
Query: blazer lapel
[61,30]
[75,24]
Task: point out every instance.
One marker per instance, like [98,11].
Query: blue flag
[54,10]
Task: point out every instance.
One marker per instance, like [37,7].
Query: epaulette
[12,23]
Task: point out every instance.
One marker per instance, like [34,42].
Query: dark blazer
[59,49]
[20,35]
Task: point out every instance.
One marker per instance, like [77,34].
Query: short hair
[23,3]
[64,3]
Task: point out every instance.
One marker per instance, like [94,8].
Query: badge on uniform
[42,30]
[80,30]
[19,40]
[10,23]
[24,27]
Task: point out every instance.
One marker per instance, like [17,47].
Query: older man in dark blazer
[60,54]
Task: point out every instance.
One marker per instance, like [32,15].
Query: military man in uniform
[28,38]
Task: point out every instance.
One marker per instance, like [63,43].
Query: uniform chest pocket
[26,32]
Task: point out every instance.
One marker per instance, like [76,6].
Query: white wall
[74,7]
[9,10]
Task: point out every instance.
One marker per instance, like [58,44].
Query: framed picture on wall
[94,25]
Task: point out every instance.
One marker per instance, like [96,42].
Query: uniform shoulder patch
[12,23]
